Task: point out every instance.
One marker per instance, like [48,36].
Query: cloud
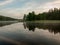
[5,2]
[29,7]
[53,4]
[49,5]
[11,12]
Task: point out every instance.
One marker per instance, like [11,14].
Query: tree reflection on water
[6,23]
[51,27]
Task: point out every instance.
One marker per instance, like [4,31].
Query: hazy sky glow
[17,8]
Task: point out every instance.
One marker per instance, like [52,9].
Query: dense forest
[52,14]
[4,18]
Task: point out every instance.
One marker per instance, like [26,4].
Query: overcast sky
[17,8]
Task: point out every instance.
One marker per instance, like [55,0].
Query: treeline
[52,14]
[4,18]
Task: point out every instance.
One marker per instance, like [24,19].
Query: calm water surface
[29,33]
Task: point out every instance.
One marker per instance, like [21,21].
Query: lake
[29,33]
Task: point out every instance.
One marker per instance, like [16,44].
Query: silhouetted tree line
[4,18]
[52,14]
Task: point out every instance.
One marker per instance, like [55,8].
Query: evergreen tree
[52,14]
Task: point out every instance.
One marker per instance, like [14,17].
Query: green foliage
[52,14]
[30,16]
[4,18]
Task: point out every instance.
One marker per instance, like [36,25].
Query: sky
[17,8]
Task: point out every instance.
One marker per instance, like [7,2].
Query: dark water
[29,33]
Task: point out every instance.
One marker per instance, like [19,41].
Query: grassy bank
[45,21]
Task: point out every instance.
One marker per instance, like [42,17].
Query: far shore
[7,21]
[45,21]
[37,21]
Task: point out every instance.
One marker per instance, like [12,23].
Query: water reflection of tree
[6,23]
[52,27]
